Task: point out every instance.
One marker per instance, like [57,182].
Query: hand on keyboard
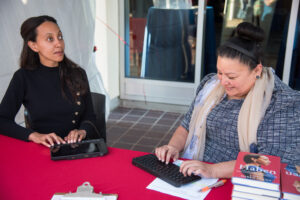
[196,167]
[166,153]
[167,172]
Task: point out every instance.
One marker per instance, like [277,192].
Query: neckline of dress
[49,68]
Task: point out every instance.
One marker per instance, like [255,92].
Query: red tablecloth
[27,172]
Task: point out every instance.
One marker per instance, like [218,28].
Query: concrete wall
[107,42]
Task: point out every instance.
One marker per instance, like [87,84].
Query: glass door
[292,75]
[161,63]
[273,16]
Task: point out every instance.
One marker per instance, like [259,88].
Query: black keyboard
[169,173]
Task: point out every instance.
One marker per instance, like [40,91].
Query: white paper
[57,197]
[188,191]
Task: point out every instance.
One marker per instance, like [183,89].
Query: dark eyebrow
[230,73]
[59,32]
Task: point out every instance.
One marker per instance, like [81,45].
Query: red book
[290,181]
[257,170]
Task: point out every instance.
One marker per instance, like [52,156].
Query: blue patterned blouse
[278,133]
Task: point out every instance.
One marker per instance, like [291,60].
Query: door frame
[290,42]
[147,90]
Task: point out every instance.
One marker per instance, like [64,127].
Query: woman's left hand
[197,167]
[75,136]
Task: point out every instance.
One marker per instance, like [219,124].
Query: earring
[257,77]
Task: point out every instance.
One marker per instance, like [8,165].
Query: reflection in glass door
[161,64]
[294,76]
[271,15]
[137,18]
[162,37]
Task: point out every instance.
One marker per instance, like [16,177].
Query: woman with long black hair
[53,89]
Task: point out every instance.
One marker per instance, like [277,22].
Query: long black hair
[245,45]
[71,75]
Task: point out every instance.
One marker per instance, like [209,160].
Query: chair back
[99,110]
[27,118]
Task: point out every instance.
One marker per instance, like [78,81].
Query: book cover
[257,170]
[290,181]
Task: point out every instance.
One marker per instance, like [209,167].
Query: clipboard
[84,192]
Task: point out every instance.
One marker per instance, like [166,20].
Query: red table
[27,172]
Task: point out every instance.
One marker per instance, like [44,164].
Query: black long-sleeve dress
[40,92]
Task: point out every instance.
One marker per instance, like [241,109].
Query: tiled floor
[140,129]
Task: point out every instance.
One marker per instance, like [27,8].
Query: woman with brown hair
[53,89]
[244,107]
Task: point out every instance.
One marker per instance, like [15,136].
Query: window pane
[270,15]
[162,40]
[295,66]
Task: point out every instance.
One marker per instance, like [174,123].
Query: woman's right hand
[166,152]
[45,139]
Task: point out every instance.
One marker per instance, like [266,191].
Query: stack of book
[256,176]
[290,181]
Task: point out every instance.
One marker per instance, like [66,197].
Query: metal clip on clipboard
[84,192]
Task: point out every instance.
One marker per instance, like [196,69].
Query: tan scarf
[251,113]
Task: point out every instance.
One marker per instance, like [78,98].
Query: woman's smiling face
[237,78]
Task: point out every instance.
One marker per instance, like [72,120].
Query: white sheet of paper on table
[188,191]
